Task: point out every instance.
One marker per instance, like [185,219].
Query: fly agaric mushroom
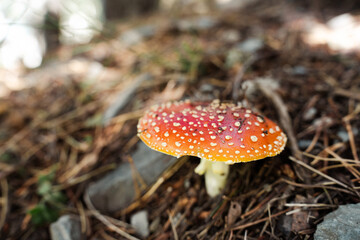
[219,133]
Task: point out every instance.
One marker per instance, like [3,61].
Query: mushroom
[220,134]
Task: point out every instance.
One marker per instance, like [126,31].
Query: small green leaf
[43,214]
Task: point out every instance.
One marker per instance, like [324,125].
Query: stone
[139,221]
[197,24]
[341,224]
[67,227]
[123,97]
[137,35]
[250,45]
[116,190]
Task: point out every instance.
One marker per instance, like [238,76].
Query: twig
[82,214]
[283,115]
[351,139]
[260,220]
[309,205]
[173,227]
[4,201]
[166,175]
[127,116]
[320,173]
[77,180]
[318,186]
[240,74]
[348,166]
[104,220]
[139,183]
[347,93]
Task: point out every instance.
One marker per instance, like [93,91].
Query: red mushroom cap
[215,131]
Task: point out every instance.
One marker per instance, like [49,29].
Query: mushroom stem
[215,175]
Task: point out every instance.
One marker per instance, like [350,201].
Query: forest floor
[53,141]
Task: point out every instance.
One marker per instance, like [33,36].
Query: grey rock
[241,51]
[140,223]
[67,227]
[310,113]
[137,35]
[199,24]
[231,36]
[343,134]
[123,97]
[250,45]
[232,5]
[341,224]
[116,190]
[304,143]
[300,70]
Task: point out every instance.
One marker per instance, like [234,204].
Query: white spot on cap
[166,134]
[254,138]
[271,131]
[202,139]
[237,124]
[237,152]
[213,144]
[236,114]
[157,129]
[206,150]
[260,119]
[227,137]
[176,124]
[163,144]
[178,144]
[148,135]
[191,147]
[230,143]
[213,137]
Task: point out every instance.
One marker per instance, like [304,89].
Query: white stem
[215,175]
